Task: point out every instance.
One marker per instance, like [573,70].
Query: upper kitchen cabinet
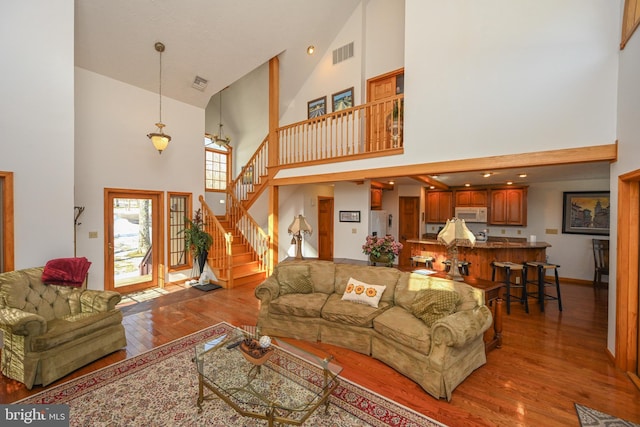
[471,198]
[508,206]
[376,198]
[439,206]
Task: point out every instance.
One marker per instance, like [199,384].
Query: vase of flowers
[383,250]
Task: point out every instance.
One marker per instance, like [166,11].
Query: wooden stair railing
[375,127]
[251,233]
[220,256]
[249,184]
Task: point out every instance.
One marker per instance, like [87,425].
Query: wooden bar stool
[427,260]
[509,285]
[463,266]
[541,282]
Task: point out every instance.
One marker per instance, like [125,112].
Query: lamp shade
[300,225]
[160,140]
[455,231]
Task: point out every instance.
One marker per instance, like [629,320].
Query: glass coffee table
[285,389]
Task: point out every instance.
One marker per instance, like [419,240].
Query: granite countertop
[501,243]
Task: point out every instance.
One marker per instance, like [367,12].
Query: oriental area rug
[591,418]
[160,388]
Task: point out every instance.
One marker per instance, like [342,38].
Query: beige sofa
[304,300]
[50,330]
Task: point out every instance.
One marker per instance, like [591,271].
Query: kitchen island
[482,254]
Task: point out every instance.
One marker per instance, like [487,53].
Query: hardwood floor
[548,361]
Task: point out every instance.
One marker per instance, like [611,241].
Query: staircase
[245,270]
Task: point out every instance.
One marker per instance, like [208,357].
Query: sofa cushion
[351,313]
[430,305]
[300,305]
[382,276]
[72,327]
[398,325]
[363,293]
[294,278]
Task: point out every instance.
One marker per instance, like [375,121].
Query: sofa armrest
[268,290]
[92,301]
[18,322]
[458,328]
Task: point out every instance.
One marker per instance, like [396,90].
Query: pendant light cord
[160,87]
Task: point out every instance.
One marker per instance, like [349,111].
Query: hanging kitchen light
[160,139]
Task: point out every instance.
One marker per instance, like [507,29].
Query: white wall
[350,236]
[499,77]
[628,150]
[113,151]
[37,123]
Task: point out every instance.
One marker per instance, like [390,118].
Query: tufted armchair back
[24,290]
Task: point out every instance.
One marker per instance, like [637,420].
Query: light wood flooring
[548,361]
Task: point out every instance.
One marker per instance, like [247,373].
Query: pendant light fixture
[160,139]
[220,139]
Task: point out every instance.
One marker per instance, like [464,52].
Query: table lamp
[298,227]
[454,233]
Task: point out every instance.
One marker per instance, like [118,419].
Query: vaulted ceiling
[218,40]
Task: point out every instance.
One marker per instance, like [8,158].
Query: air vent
[200,83]
[343,53]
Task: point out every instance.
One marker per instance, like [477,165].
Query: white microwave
[471,214]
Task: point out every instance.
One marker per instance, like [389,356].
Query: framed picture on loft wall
[586,212]
[317,107]
[342,100]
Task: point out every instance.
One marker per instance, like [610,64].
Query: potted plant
[382,249]
[196,239]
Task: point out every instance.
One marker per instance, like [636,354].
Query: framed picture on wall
[586,212]
[349,216]
[317,107]
[342,100]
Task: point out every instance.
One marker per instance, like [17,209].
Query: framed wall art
[586,212]
[342,100]
[317,107]
[349,216]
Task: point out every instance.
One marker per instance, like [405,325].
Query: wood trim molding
[8,248]
[565,156]
[627,272]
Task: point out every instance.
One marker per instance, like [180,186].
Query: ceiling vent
[343,53]
[200,83]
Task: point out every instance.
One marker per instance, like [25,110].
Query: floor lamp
[298,227]
[454,233]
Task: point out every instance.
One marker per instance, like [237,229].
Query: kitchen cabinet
[376,199]
[439,207]
[471,198]
[508,206]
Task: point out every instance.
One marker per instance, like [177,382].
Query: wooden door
[325,228]
[408,226]
[378,88]
[133,240]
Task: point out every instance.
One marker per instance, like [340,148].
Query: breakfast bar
[482,254]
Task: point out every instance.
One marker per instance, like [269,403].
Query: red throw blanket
[66,271]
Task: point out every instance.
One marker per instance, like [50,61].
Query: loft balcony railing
[370,129]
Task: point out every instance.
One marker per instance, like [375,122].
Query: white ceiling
[223,40]
[579,171]
[219,40]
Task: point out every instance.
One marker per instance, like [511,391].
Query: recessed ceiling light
[431,187]
[311,49]
[523,175]
[509,182]
[434,176]
[467,185]
[487,174]
[391,182]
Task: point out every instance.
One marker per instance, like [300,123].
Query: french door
[133,240]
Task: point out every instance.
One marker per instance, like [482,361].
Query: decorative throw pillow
[294,279]
[363,293]
[430,305]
